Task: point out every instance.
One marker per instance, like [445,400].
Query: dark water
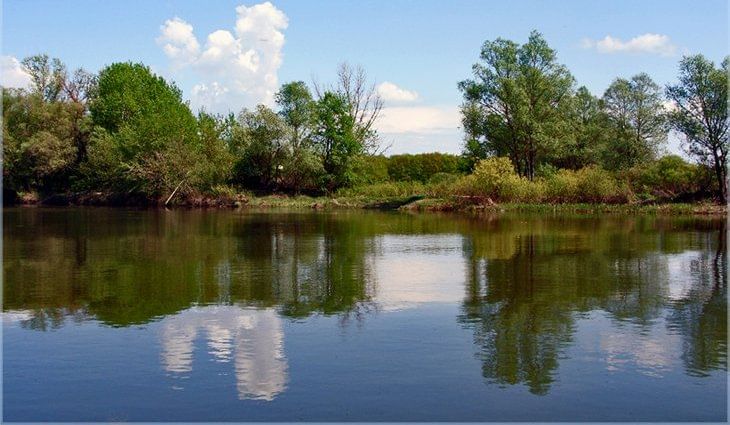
[190,315]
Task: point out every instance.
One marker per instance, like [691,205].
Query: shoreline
[413,203]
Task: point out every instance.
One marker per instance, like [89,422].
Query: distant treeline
[530,135]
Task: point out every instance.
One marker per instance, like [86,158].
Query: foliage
[297,108]
[637,121]
[335,140]
[586,135]
[701,114]
[420,167]
[669,177]
[153,132]
[529,136]
[370,169]
[262,147]
[515,105]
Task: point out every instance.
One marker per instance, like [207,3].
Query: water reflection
[527,287]
[649,291]
[251,339]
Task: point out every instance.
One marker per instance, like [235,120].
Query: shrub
[493,175]
[667,177]
[496,179]
[369,169]
[589,184]
[420,167]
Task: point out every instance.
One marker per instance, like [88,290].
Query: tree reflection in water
[231,278]
[528,285]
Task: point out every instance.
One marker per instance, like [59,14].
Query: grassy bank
[404,200]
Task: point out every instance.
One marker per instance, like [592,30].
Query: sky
[227,55]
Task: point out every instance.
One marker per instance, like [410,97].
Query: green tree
[296,106]
[589,127]
[638,122]
[304,167]
[701,113]
[335,139]
[263,138]
[364,104]
[514,106]
[152,130]
[47,76]
[215,132]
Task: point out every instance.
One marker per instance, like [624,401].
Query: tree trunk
[719,173]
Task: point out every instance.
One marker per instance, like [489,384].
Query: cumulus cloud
[236,68]
[418,119]
[392,93]
[658,44]
[415,129]
[12,74]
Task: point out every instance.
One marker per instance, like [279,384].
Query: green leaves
[513,105]
[701,113]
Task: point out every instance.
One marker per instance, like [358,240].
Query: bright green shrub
[493,175]
[596,185]
[562,187]
[590,184]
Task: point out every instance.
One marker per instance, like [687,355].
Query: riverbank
[414,203]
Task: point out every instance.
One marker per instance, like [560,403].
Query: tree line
[128,132]
[522,104]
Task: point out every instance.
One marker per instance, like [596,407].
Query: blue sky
[422,48]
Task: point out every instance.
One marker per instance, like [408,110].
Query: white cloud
[178,41]
[236,69]
[417,129]
[418,119]
[658,44]
[12,74]
[392,93]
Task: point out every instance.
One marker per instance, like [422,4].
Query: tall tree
[264,139]
[701,113]
[47,76]
[151,132]
[296,106]
[589,127]
[364,104]
[335,139]
[514,104]
[638,120]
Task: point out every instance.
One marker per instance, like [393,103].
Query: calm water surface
[221,315]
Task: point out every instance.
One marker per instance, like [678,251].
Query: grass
[422,198]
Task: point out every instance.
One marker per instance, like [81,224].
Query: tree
[151,128]
[296,107]
[215,133]
[335,139]
[263,139]
[638,122]
[588,132]
[47,76]
[701,113]
[514,106]
[364,104]
[38,142]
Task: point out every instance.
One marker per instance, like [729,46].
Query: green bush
[666,178]
[562,187]
[421,167]
[589,184]
[496,179]
[369,169]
